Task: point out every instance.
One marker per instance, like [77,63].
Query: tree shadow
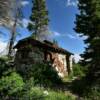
[75,87]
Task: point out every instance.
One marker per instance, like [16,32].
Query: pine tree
[39,19]
[88,24]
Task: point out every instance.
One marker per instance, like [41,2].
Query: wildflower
[46,93]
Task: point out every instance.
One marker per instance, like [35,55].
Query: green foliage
[78,86]
[10,85]
[88,24]
[39,18]
[85,89]
[52,95]
[92,93]
[13,88]
[42,73]
[5,67]
[78,70]
[38,93]
[33,93]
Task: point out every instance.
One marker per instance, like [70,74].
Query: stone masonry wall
[60,64]
[26,58]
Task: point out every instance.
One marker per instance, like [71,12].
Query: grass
[53,95]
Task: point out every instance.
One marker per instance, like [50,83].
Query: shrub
[10,85]
[52,95]
[33,93]
[43,74]
[38,93]
[5,67]
[46,75]
[85,89]
[78,86]
[92,93]
[78,70]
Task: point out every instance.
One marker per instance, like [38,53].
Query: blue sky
[62,17]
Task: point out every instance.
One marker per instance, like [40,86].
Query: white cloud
[72,3]
[56,33]
[24,3]
[67,3]
[77,57]
[80,36]
[2,47]
[84,37]
[25,22]
[76,36]
[71,36]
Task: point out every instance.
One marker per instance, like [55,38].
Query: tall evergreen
[39,19]
[88,24]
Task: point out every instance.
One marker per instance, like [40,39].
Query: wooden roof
[46,45]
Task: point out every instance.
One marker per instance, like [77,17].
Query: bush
[37,93]
[78,86]
[52,95]
[43,74]
[92,93]
[10,86]
[78,70]
[33,93]
[85,89]
[5,67]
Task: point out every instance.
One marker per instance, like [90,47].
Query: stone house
[30,51]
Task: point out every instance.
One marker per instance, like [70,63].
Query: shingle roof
[45,45]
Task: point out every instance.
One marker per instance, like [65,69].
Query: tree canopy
[39,19]
[88,24]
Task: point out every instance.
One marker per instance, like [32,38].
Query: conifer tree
[39,19]
[88,24]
